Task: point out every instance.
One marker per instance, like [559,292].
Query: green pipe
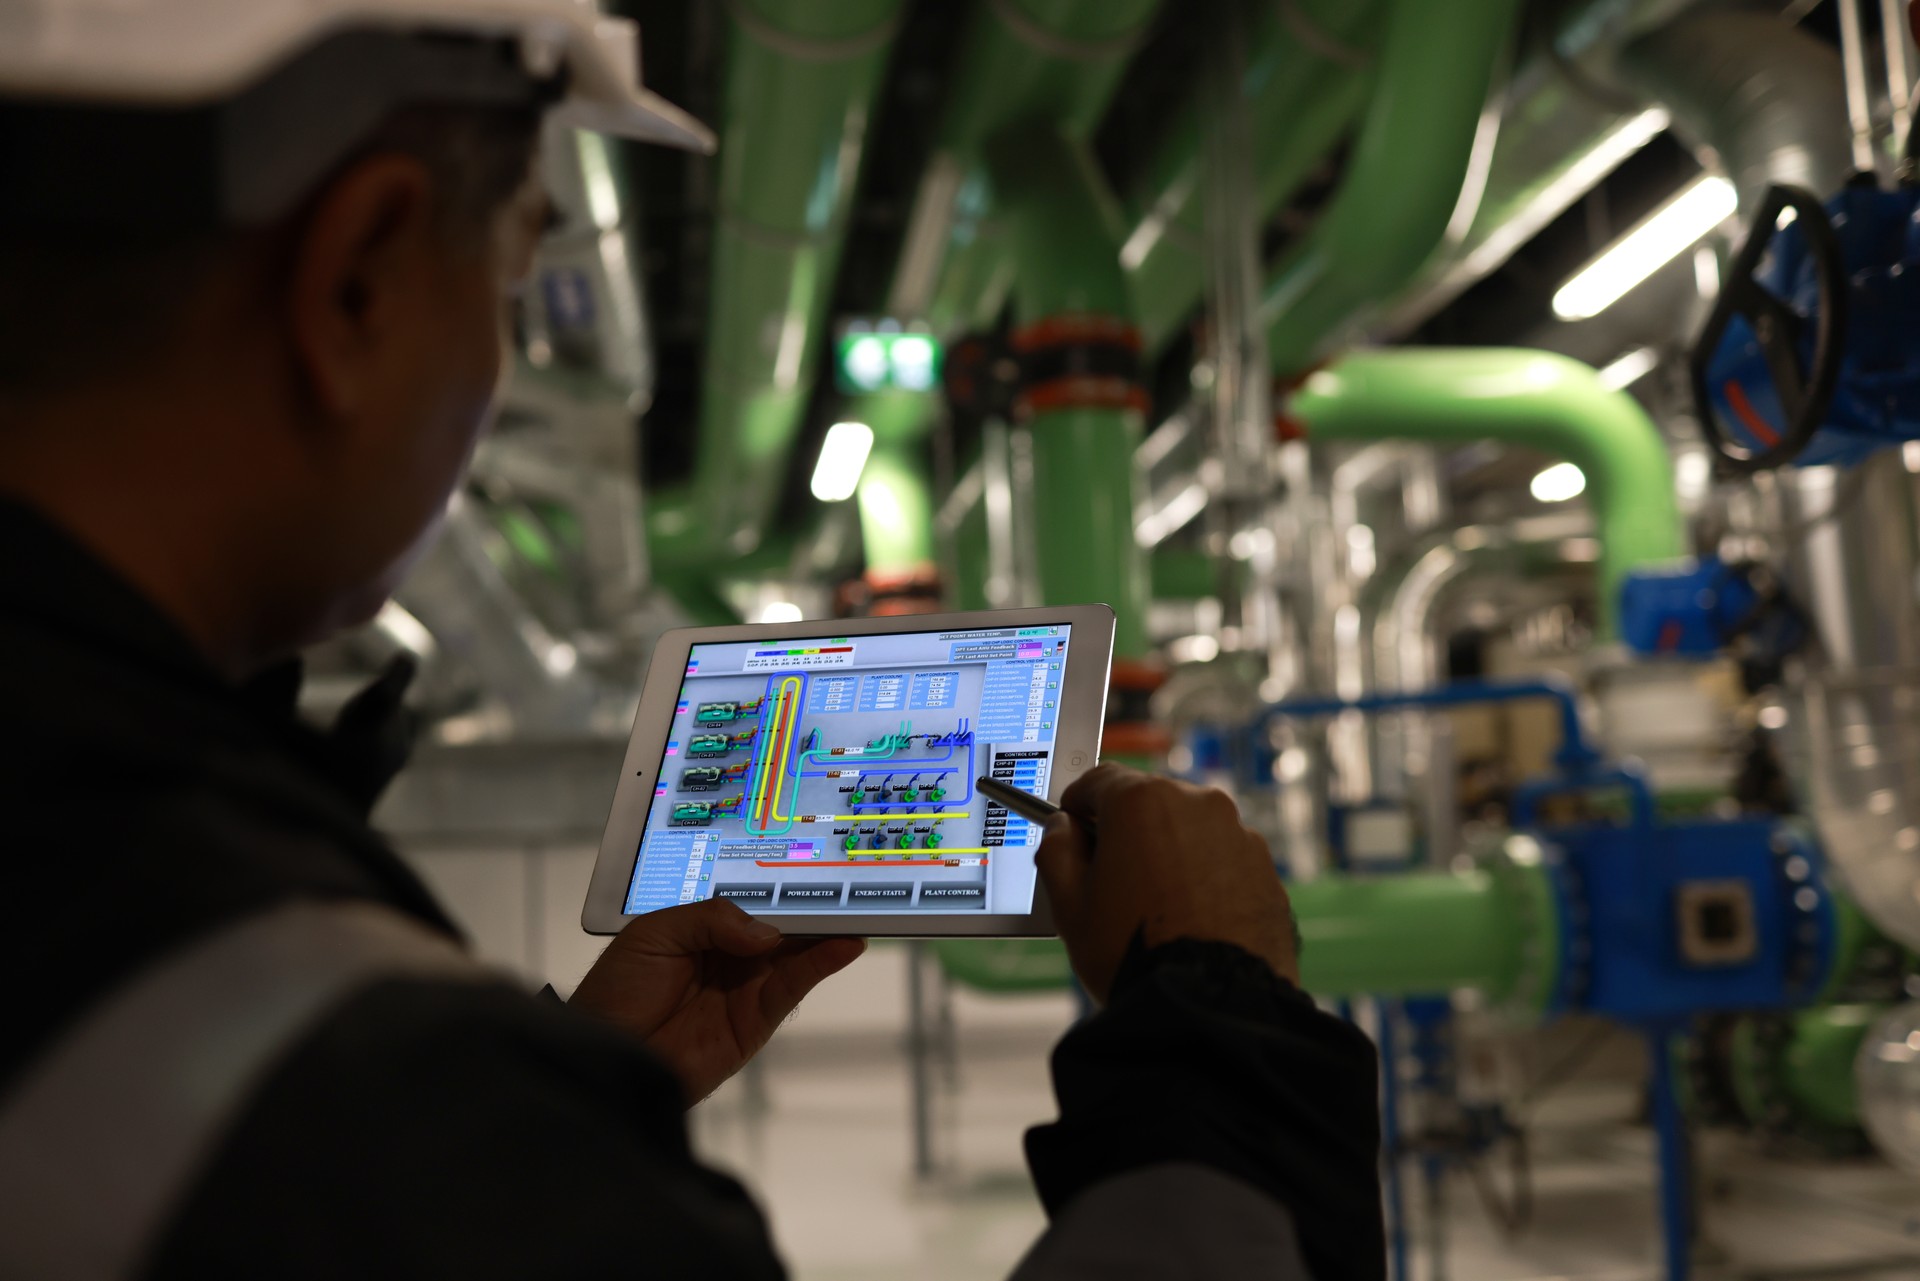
[1064,244]
[1049,64]
[896,511]
[1300,101]
[1179,573]
[970,563]
[800,83]
[1056,61]
[1425,933]
[1404,179]
[1539,399]
[1801,1067]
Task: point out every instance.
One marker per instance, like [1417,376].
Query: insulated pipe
[1036,64]
[1068,272]
[1307,76]
[1411,161]
[1535,398]
[1418,933]
[800,83]
[1802,1067]
[1768,98]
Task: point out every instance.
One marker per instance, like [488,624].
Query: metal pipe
[1896,46]
[800,83]
[1404,179]
[1535,398]
[1852,546]
[1766,99]
[1853,57]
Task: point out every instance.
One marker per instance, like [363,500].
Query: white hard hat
[278,87]
[180,52]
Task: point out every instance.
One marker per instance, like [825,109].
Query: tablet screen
[836,775]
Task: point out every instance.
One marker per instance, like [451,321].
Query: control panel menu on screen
[836,775]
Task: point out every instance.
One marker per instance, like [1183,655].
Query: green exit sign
[876,358]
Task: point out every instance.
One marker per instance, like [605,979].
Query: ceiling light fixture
[1660,238]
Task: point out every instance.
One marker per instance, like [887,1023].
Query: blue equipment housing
[1812,353]
[1689,608]
[1657,922]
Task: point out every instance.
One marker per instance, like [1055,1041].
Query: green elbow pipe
[1454,396]
[1410,160]
[800,83]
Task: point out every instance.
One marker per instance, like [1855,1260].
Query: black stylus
[1035,809]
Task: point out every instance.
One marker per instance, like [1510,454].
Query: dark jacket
[451,1129]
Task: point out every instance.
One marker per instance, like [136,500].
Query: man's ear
[358,257]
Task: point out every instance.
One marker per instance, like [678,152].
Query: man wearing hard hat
[256,263]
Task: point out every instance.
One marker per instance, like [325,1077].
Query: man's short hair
[76,302]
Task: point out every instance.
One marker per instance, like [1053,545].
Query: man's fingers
[800,966]
[715,924]
[1090,792]
[1062,862]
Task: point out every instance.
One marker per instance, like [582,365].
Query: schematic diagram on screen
[826,776]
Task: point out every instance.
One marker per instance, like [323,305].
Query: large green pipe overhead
[1453,396]
[1308,73]
[1411,160]
[800,83]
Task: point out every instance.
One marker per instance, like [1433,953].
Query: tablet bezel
[1076,750]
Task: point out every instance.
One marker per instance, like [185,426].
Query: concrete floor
[820,1128]
[822,1133]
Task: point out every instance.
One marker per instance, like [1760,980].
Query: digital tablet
[821,775]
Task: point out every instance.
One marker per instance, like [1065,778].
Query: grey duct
[1766,99]
[477,618]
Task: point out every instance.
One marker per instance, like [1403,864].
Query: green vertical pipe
[800,83]
[896,511]
[1412,934]
[1539,399]
[1300,101]
[1404,179]
[1064,241]
[1180,573]
[971,564]
[1044,64]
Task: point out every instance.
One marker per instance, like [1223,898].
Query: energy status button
[894,894]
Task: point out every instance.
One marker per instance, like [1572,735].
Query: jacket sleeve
[465,1131]
[1206,1068]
